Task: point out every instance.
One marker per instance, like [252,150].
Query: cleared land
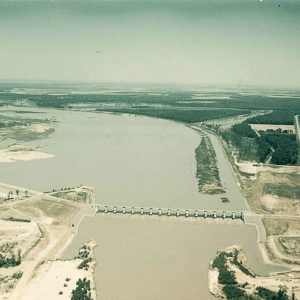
[274,192]
[49,222]
[59,277]
[283,240]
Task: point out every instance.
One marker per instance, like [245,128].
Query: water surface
[129,160]
[160,258]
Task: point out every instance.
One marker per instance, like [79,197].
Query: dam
[169,212]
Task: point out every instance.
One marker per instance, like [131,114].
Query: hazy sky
[203,42]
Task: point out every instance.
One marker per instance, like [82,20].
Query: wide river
[142,162]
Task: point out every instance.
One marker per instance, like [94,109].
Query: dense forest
[181,115]
[164,96]
[250,146]
[163,102]
[280,117]
[282,147]
[286,149]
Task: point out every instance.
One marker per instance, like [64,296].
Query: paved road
[297,127]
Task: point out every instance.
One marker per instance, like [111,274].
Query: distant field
[277,116]
[189,116]
[168,102]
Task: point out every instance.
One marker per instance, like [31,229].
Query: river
[142,162]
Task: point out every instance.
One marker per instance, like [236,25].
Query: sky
[219,42]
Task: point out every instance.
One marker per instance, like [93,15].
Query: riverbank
[229,276]
[146,257]
[21,153]
[60,277]
[52,216]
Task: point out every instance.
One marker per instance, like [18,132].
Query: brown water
[160,258]
[130,161]
[142,162]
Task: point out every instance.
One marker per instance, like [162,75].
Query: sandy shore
[59,278]
[21,153]
[249,283]
[53,217]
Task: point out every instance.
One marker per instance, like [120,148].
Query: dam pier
[168,212]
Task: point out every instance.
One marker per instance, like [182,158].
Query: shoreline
[233,261]
[19,152]
[61,276]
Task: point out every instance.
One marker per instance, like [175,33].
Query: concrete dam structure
[169,212]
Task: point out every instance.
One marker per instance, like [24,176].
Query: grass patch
[282,190]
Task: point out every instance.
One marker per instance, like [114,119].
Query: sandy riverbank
[59,277]
[53,217]
[246,282]
[21,153]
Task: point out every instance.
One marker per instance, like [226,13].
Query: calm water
[128,160]
[154,258]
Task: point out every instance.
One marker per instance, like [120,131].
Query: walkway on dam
[169,212]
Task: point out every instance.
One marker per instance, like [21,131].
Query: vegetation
[270,295]
[276,117]
[250,146]
[240,265]
[82,290]
[233,292]
[265,293]
[7,256]
[282,190]
[282,147]
[286,148]
[20,128]
[225,275]
[207,171]
[85,255]
[12,219]
[181,115]
[78,196]
[85,263]
[17,275]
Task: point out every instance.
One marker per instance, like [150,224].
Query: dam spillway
[168,212]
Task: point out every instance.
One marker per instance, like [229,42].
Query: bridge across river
[169,212]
